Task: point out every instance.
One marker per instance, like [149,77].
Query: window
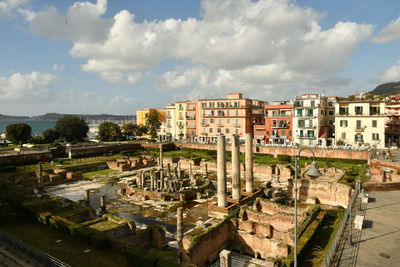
[274,123]
[220,104]
[283,113]
[211,120]
[374,110]
[227,130]
[301,123]
[374,123]
[301,133]
[204,121]
[309,112]
[330,123]
[358,110]
[258,132]
[343,111]
[313,103]
[331,112]
[266,113]
[322,112]
[218,130]
[343,136]
[330,103]
[358,123]
[228,121]
[283,133]
[211,130]
[267,133]
[237,112]
[310,123]
[358,138]
[274,113]
[236,122]
[275,133]
[219,122]
[211,104]
[237,131]
[220,113]
[375,136]
[212,113]
[204,105]
[343,123]
[290,133]
[204,112]
[299,113]
[204,130]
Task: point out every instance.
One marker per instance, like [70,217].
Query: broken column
[151,181]
[221,171]
[139,179]
[179,224]
[40,178]
[161,180]
[179,170]
[142,179]
[235,167]
[87,197]
[225,258]
[103,206]
[161,156]
[169,170]
[249,163]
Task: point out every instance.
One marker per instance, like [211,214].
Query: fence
[25,251]
[336,240]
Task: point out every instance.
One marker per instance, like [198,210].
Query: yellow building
[143,114]
[180,120]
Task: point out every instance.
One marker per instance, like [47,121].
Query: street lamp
[313,172]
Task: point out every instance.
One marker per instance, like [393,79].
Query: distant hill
[56,116]
[392,88]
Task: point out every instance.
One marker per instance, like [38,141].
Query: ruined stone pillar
[190,169]
[161,180]
[151,181]
[176,172]
[87,197]
[221,171]
[40,178]
[225,258]
[179,170]
[249,163]
[206,168]
[161,156]
[179,224]
[142,179]
[235,167]
[103,206]
[139,179]
[169,170]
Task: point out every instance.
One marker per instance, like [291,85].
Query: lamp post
[313,172]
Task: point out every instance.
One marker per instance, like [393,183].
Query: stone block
[74,176]
[62,172]
[56,179]
[124,167]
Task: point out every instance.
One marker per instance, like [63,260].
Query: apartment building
[191,108]
[392,129]
[170,123]
[143,114]
[230,116]
[360,122]
[313,120]
[278,122]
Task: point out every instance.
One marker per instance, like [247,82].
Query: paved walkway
[378,244]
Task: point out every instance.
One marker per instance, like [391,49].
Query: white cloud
[391,74]
[7,7]
[57,67]
[236,44]
[26,87]
[390,33]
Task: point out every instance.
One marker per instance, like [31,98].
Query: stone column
[225,258]
[87,197]
[40,178]
[179,224]
[151,181]
[221,171]
[161,180]
[249,163]
[179,170]
[176,172]
[161,156]
[103,205]
[169,170]
[142,178]
[139,179]
[235,167]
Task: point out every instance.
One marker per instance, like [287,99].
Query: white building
[360,122]
[313,120]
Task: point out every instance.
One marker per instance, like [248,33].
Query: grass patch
[314,254]
[68,250]
[94,174]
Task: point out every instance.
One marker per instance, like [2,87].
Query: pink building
[233,115]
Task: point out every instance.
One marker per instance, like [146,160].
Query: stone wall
[319,152]
[370,186]
[384,171]
[329,193]
[82,151]
[25,158]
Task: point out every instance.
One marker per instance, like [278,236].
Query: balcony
[359,130]
[280,126]
[192,117]
[190,127]
[307,136]
[190,108]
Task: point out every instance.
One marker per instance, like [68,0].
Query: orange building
[277,127]
[234,115]
[191,109]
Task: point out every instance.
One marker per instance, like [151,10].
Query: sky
[118,56]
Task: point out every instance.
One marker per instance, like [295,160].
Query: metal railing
[35,256]
[339,233]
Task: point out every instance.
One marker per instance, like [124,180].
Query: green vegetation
[94,174]
[72,128]
[319,244]
[153,123]
[50,135]
[109,131]
[19,133]
[391,88]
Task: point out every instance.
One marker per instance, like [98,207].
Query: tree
[19,133]
[72,128]
[109,131]
[50,135]
[153,123]
[129,130]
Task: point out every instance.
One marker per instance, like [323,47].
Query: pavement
[378,243]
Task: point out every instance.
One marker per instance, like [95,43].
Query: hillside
[56,116]
[392,88]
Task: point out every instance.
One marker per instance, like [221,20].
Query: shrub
[285,158]
[137,257]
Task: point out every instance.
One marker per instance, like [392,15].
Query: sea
[37,126]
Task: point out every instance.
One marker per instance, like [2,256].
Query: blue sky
[118,56]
